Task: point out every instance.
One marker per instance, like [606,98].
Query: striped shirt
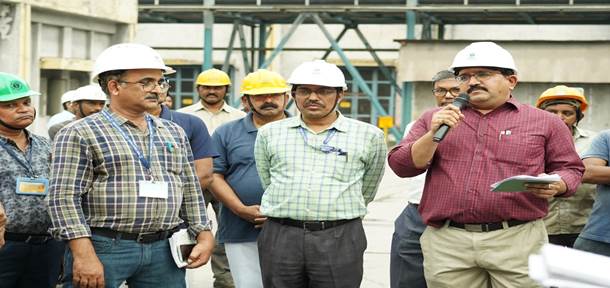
[302,182]
[213,120]
[95,176]
[514,139]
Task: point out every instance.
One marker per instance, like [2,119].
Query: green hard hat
[13,87]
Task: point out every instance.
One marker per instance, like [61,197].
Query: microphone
[460,102]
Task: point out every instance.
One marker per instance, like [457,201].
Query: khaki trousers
[454,257]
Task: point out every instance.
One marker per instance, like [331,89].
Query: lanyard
[145,162]
[27,165]
[325,147]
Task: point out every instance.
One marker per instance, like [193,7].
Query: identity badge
[32,186]
[153,189]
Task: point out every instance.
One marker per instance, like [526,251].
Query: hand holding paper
[520,183]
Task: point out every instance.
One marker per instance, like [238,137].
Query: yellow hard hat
[562,92]
[264,81]
[213,77]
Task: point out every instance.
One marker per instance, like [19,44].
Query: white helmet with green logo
[13,87]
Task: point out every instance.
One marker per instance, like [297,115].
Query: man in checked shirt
[319,172]
[122,181]
[476,237]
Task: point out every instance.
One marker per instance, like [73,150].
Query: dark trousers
[563,239]
[292,257]
[30,265]
[406,258]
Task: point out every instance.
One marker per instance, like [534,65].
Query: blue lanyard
[27,165]
[325,147]
[145,162]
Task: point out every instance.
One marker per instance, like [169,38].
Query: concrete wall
[52,43]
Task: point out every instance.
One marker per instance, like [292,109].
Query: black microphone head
[461,101]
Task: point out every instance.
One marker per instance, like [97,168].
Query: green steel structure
[259,14]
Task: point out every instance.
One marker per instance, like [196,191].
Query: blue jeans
[406,258]
[597,247]
[141,265]
[30,265]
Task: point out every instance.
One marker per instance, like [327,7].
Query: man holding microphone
[472,231]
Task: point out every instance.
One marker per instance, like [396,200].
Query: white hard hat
[67,96]
[126,56]
[483,54]
[318,72]
[90,92]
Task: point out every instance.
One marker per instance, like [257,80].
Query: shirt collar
[28,135]
[122,120]
[249,122]
[224,108]
[340,123]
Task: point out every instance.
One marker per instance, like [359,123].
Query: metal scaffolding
[260,14]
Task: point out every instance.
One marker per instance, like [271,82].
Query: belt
[27,238]
[311,225]
[487,227]
[144,238]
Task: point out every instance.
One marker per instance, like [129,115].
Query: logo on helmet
[16,85]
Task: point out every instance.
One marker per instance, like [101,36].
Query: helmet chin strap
[252,106]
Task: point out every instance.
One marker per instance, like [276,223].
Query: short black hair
[107,76]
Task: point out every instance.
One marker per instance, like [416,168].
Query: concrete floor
[378,225]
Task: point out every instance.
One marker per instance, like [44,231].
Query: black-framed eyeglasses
[150,85]
[322,92]
[455,91]
[481,76]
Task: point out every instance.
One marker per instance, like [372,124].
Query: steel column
[225,65]
[208,27]
[244,48]
[262,43]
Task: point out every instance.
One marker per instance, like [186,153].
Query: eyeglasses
[439,92]
[481,76]
[323,92]
[150,85]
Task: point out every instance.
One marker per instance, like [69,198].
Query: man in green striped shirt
[319,172]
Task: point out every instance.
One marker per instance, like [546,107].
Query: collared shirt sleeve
[400,157]
[261,157]
[599,147]
[71,177]
[375,167]
[218,141]
[562,159]
[193,209]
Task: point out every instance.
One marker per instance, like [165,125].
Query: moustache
[268,105]
[152,96]
[474,88]
[309,103]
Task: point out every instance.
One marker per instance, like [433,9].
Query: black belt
[486,227]
[144,238]
[311,225]
[27,238]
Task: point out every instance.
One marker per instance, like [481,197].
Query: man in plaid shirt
[319,172]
